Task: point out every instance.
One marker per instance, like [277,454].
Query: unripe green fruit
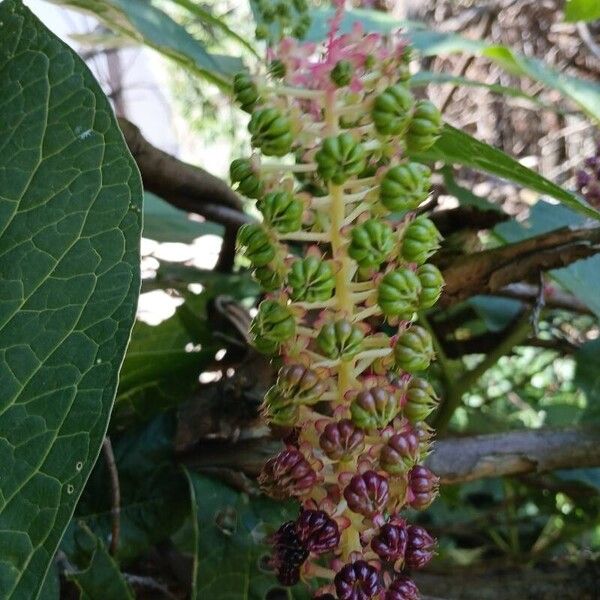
[371,243]
[340,158]
[398,294]
[282,211]
[312,280]
[279,410]
[271,131]
[425,127]
[283,9]
[300,5]
[405,186]
[245,91]
[392,110]
[262,31]
[259,248]
[421,400]
[342,73]
[277,69]
[421,239]
[242,172]
[273,324]
[374,408]
[269,279]
[414,350]
[432,283]
[340,340]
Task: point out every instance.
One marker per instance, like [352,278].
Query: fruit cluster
[588,179]
[342,253]
[277,18]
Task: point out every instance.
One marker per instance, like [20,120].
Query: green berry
[282,211]
[300,384]
[421,400]
[392,110]
[273,324]
[278,410]
[398,294]
[269,279]
[432,283]
[371,243]
[259,249]
[405,186]
[271,131]
[413,350]
[301,6]
[342,73]
[340,158]
[312,280]
[420,240]
[374,408]
[242,172]
[341,340]
[262,31]
[277,69]
[425,127]
[245,91]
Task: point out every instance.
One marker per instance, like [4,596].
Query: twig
[540,302]
[555,298]
[115,495]
[587,38]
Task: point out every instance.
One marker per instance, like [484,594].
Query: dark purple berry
[340,440]
[317,531]
[422,487]
[357,581]
[420,547]
[288,575]
[390,542]
[289,553]
[401,451]
[402,588]
[289,473]
[367,493]
[324,597]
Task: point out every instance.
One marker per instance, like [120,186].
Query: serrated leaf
[231,530]
[101,577]
[70,223]
[580,278]
[582,10]
[165,223]
[154,495]
[143,22]
[457,147]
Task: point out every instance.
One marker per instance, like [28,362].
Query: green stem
[455,391]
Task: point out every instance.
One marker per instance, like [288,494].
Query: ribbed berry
[402,588]
[390,541]
[367,493]
[289,473]
[422,487]
[420,547]
[357,581]
[401,451]
[341,440]
[318,532]
[289,554]
[374,408]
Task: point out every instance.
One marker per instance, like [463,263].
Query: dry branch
[454,460]
[492,270]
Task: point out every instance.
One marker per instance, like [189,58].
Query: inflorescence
[343,255]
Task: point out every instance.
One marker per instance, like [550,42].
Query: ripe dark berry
[357,581]
[317,531]
[402,588]
[420,547]
[367,493]
[289,553]
[342,439]
[289,473]
[390,541]
[422,487]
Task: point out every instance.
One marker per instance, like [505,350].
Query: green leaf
[497,313]
[230,536]
[165,223]
[457,147]
[580,278]
[70,223]
[143,22]
[154,492]
[100,578]
[465,196]
[587,378]
[582,10]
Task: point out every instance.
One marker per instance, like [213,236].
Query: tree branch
[454,460]
[492,270]
[554,298]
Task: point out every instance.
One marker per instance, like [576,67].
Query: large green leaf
[582,10]
[70,223]
[457,147]
[584,93]
[100,577]
[231,530]
[154,493]
[143,22]
[580,278]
